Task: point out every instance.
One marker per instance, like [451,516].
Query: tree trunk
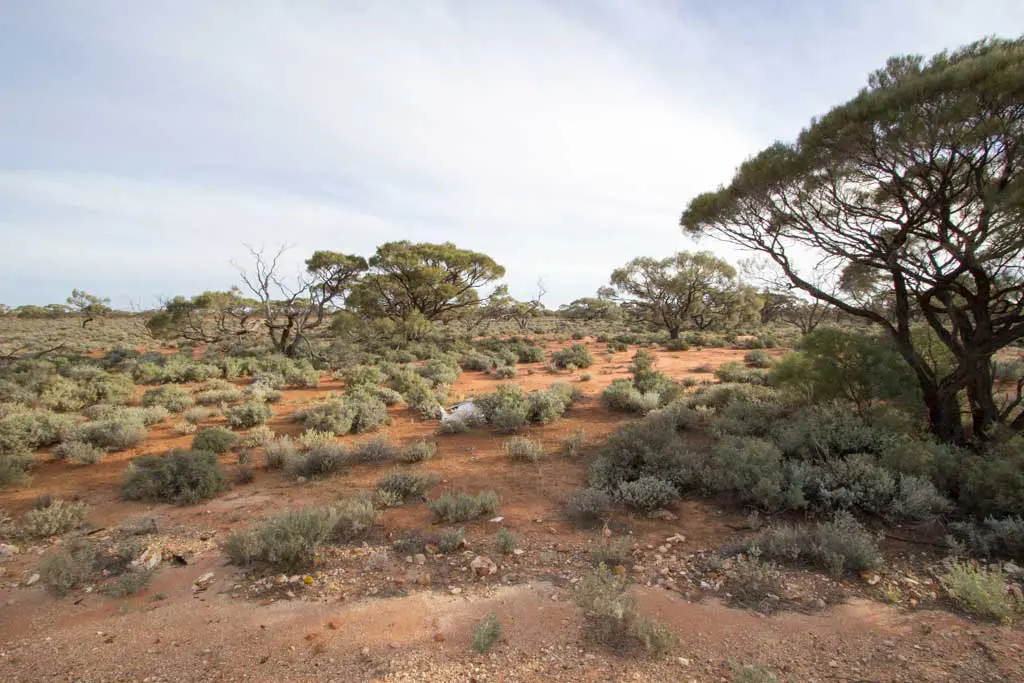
[944,417]
[673,333]
[984,412]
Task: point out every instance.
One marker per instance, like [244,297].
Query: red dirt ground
[169,632]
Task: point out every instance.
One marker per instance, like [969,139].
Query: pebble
[455,590]
[32,580]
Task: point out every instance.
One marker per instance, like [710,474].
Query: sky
[144,144]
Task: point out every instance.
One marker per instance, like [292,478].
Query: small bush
[506,409]
[992,538]
[978,591]
[588,507]
[174,398]
[840,546]
[572,445]
[248,414]
[505,372]
[197,415]
[312,438]
[389,397]
[214,397]
[612,619]
[544,407]
[751,673]
[180,476]
[286,542]
[505,541]
[374,452]
[279,453]
[58,517]
[406,486]
[115,434]
[522,449]
[214,439]
[68,569]
[463,507]
[754,585]
[676,345]
[576,356]
[734,372]
[85,453]
[757,359]
[451,540]
[362,376]
[23,429]
[417,451]
[486,634]
[647,493]
[616,552]
[257,436]
[14,470]
[318,462]
[353,518]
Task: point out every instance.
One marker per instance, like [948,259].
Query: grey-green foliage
[840,546]
[25,429]
[356,412]
[176,399]
[647,493]
[248,414]
[214,439]
[183,477]
[463,507]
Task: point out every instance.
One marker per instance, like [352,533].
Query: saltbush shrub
[173,398]
[317,462]
[758,359]
[587,507]
[85,453]
[979,591]
[463,507]
[14,469]
[374,452]
[24,429]
[993,538]
[180,476]
[115,434]
[214,439]
[647,493]
[59,517]
[286,542]
[576,356]
[418,451]
[840,546]
[734,372]
[248,414]
[279,453]
[406,486]
[523,449]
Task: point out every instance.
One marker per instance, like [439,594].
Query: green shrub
[462,507]
[374,452]
[196,415]
[174,398]
[507,409]
[68,569]
[751,673]
[734,372]
[573,444]
[477,361]
[676,345]
[522,449]
[214,439]
[757,359]
[388,396]
[406,486]
[180,476]
[529,353]
[116,434]
[994,537]
[279,453]
[486,634]
[576,356]
[23,429]
[78,451]
[213,397]
[257,436]
[312,438]
[317,462]
[248,414]
[418,451]
[286,542]
[14,470]
[505,541]
[611,618]
[647,493]
[648,447]
[978,591]
[615,552]
[58,517]
[362,376]
[748,469]
[451,540]
[829,431]
[840,546]
[588,507]
[993,483]
[439,372]
[505,372]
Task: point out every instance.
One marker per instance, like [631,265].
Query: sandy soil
[372,615]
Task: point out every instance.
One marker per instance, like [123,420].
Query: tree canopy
[436,281]
[912,193]
[673,293]
[88,305]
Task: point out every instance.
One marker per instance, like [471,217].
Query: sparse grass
[85,453]
[463,507]
[418,451]
[374,452]
[68,569]
[751,673]
[314,438]
[279,453]
[572,445]
[755,585]
[486,634]
[979,591]
[406,486]
[587,507]
[841,546]
[248,414]
[617,552]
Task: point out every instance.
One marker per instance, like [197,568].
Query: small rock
[497,520]
[420,558]
[483,566]
[365,652]
[32,580]
[678,538]
[203,582]
[869,577]
[1012,569]
[683,661]
[8,550]
[438,637]
[455,591]
[518,551]
[149,558]
[820,603]
[663,549]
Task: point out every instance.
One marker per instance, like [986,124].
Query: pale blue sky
[142,143]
